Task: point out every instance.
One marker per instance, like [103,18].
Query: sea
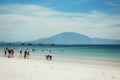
[95,52]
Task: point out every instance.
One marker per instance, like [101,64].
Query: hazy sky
[23,20]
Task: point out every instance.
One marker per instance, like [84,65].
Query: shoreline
[81,60]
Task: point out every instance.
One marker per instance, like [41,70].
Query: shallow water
[101,52]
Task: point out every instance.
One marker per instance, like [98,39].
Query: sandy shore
[28,69]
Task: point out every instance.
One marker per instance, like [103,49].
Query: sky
[25,20]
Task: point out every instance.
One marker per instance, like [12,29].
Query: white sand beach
[28,69]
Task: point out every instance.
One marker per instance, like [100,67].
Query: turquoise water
[103,52]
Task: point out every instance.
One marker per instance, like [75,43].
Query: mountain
[71,38]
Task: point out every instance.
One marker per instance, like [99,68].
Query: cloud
[111,3]
[29,22]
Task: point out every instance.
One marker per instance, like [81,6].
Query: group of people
[26,54]
[48,57]
[9,52]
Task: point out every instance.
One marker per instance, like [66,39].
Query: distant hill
[66,38]
[71,38]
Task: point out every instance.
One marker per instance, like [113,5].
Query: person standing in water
[21,53]
[50,51]
[5,52]
[25,54]
[50,57]
[28,54]
[9,53]
[12,52]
